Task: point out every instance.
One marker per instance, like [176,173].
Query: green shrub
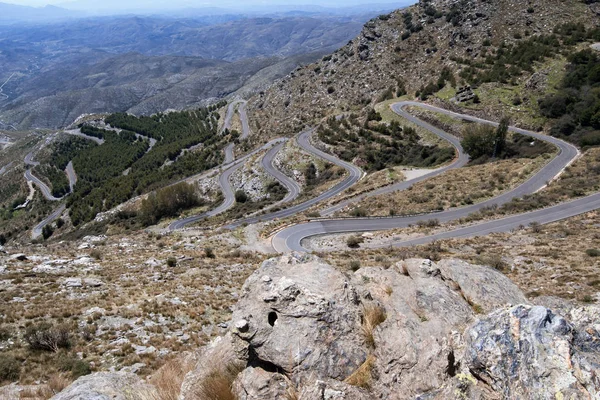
[10,368]
[47,231]
[209,252]
[5,333]
[358,212]
[72,364]
[168,202]
[593,252]
[171,262]
[354,265]
[241,196]
[354,241]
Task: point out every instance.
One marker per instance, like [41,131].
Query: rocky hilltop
[406,50]
[303,329]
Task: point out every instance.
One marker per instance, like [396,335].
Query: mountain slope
[406,50]
[54,73]
[230,41]
[138,84]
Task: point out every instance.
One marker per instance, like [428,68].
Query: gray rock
[73,282]
[301,335]
[525,352]
[311,325]
[220,357]
[257,384]
[107,386]
[241,325]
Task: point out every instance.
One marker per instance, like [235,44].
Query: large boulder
[427,306]
[301,328]
[300,316]
[107,386]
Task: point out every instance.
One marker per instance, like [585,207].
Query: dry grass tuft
[373,316]
[291,393]
[363,376]
[168,379]
[56,384]
[217,385]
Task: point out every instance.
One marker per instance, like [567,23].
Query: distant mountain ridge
[149,64]
[11,13]
[229,41]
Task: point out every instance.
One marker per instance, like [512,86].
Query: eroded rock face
[301,321]
[107,386]
[529,352]
[450,330]
[428,305]
[300,316]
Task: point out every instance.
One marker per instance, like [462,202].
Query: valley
[438,175]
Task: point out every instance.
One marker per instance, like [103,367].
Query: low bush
[72,364]
[10,368]
[354,242]
[209,252]
[171,262]
[593,252]
[168,202]
[354,265]
[241,196]
[46,337]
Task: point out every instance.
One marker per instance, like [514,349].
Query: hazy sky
[201,3]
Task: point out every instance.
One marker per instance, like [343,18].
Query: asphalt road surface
[544,216]
[354,174]
[290,185]
[77,132]
[228,194]
[460,161]
[37,231]
[290,239]
[46,191]
[229,153]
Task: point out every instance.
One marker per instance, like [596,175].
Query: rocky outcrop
[305,329]
[107,386]
[301,325]
[529,352]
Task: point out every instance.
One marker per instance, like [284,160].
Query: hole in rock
[452,364]
[272,318]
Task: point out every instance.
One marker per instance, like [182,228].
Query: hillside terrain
[414,215]
[441,38]
[147,65]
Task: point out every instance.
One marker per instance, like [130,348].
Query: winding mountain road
[458,162]
[226,188]
[292,187]
[290,239]
[229,150]
[46,191]
[508,224]
[37,230]
[2,86]
[77,132]
[354,174]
